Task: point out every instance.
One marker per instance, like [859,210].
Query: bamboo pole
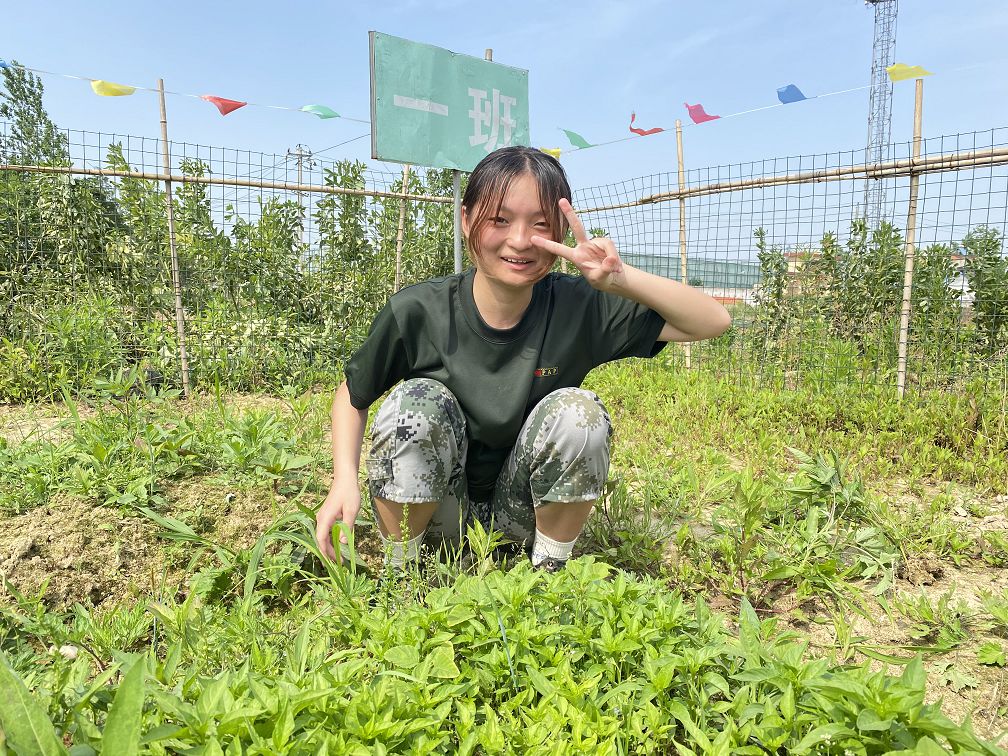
[211,181]
[911,234]
[401,230]
[176,277]
[997,156]
[687,347]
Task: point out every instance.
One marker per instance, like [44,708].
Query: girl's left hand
[596,257]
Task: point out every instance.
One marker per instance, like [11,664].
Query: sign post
[433,107]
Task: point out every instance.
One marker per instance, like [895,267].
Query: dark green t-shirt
[433,330]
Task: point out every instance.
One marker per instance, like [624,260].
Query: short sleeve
[630,329]
[380,363]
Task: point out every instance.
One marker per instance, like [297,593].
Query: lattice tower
[879,105]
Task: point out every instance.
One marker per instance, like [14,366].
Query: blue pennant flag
[789,94]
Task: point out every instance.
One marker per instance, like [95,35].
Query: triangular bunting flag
[698,115]
[109,89]
[790,93]
[642,132]
[554,151]
[321,111]
[224,105]
[576,139]
[901,71]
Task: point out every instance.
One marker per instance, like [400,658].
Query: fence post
[687,350]
[176,278]
[911,233]
[402,228]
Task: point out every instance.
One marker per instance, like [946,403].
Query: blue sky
[590,64]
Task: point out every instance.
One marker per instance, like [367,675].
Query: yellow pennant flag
[109,89]
[554,151]
[901,71]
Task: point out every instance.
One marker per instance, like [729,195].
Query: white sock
[397,553]
[543,547]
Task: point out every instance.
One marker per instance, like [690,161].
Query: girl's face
[506,255]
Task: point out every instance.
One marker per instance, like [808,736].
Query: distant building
[728,281]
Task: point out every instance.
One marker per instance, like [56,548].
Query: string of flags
[224,105]
[786,95]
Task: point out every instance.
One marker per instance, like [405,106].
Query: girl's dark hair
[489,182]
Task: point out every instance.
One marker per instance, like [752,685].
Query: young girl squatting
[486,419]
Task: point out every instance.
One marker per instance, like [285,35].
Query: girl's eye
[499,221]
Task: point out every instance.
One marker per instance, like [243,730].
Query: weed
[944,625]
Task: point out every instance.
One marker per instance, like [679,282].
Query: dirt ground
[78,551]
[984,698]
[964,687]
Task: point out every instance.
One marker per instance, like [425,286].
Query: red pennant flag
[225,106]
[642,132]
[696,112]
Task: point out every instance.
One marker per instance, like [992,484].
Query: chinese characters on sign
[494,113]
[436,108]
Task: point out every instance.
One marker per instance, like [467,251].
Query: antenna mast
[879,105]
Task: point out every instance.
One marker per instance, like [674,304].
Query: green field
[769,572]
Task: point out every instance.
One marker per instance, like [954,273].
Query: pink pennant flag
[225,106]
[642,132]
[696,112]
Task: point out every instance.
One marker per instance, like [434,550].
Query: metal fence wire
[284,259]
[815,293]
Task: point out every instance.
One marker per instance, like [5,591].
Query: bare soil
[73,550]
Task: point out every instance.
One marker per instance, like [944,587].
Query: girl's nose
[521,236]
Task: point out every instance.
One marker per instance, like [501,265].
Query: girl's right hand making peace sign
[596,257]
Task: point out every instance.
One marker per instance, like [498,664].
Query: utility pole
[303,155]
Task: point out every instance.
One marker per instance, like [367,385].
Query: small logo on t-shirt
[546,371]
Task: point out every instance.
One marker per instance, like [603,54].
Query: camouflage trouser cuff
[419,447]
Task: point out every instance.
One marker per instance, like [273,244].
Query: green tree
[823,281]
[53,228]
[138,254]
[987,274]
[352,281]
[33,138]
[773,310]
[436,234]
[202,246]
[871,287]
[262,266]
[934,305]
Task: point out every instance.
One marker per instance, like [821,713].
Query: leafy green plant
[987,274]
[991,654]
[996,605]
[773,311]
[652,674]
[943,624]
[630,531]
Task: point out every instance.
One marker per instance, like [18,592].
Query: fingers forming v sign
[596,258]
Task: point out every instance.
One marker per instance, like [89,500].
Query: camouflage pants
[418,454]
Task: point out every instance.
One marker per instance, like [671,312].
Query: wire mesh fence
[814,292]
[278,284]
[284,259]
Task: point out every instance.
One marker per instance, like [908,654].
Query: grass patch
[758,564]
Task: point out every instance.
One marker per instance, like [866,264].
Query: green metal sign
[440,109]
